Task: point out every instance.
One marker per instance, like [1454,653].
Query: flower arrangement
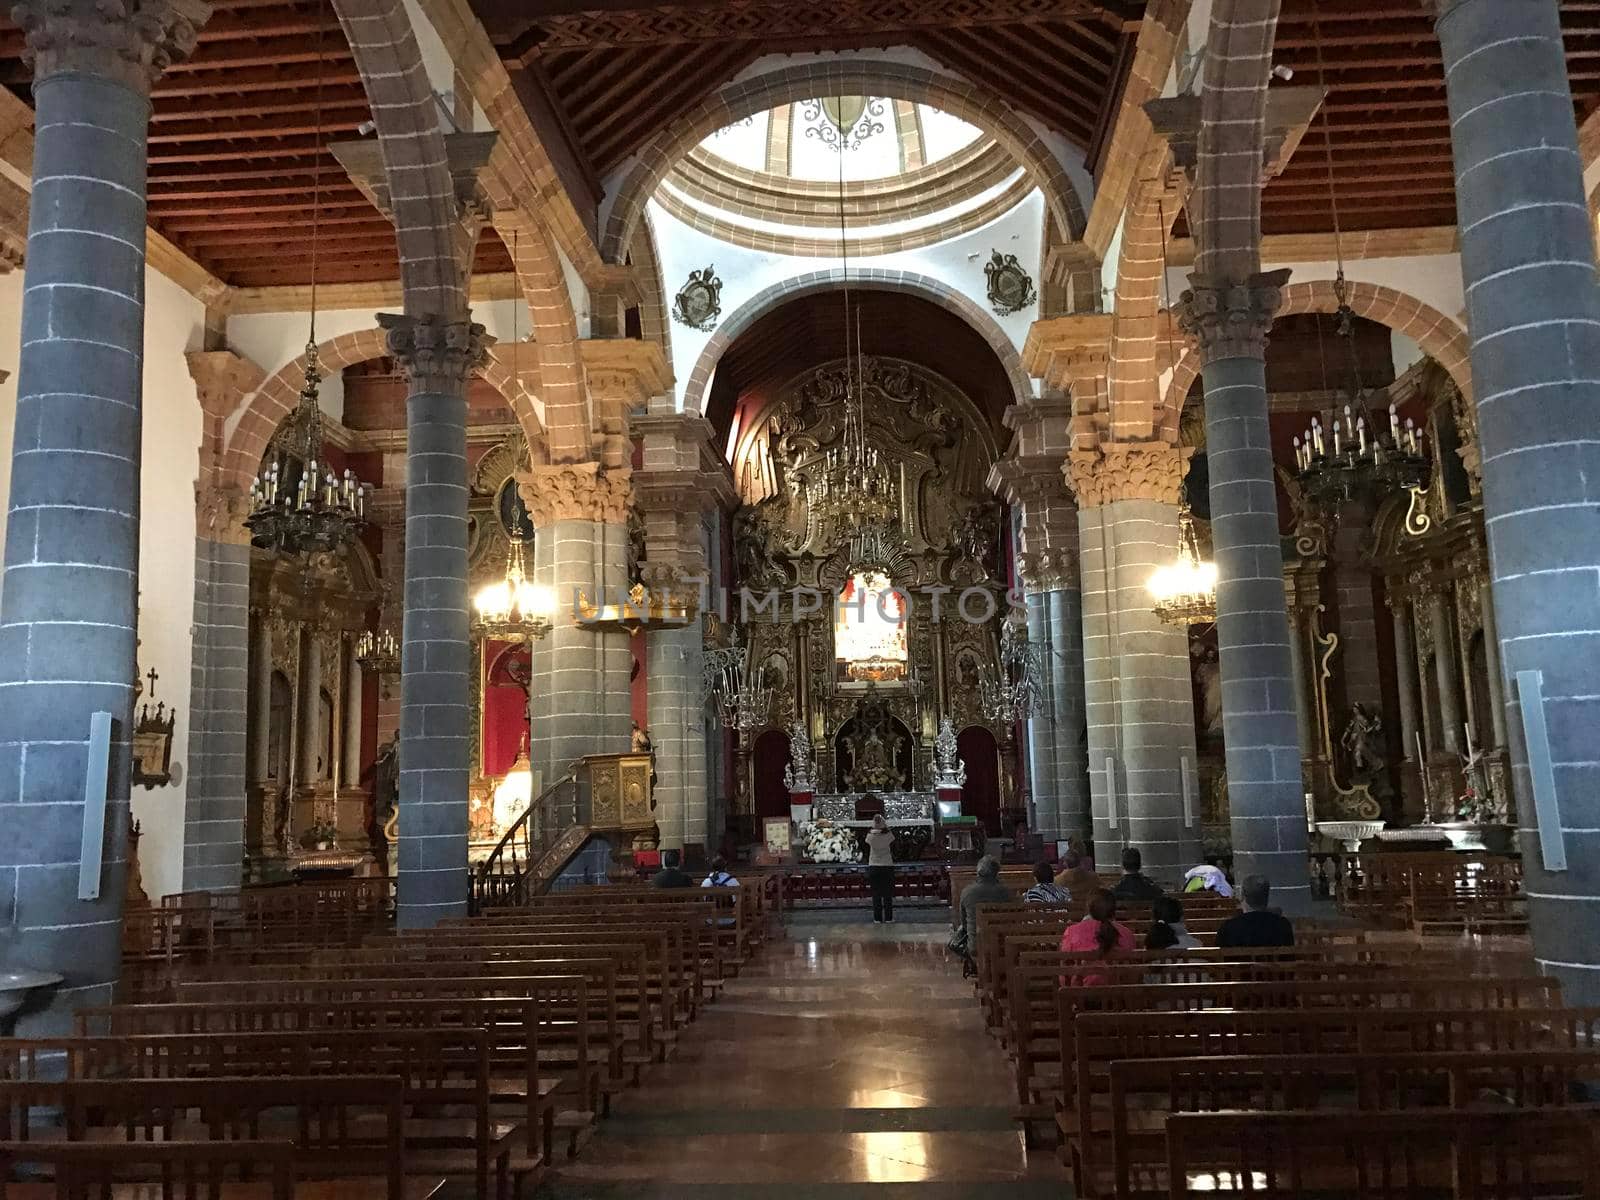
[321,835]
[825,842]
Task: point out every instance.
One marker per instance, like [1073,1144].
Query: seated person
[1135,884]
[1167,931]
[1078,875]
[671,874]
[1101,934]
[1256,925]
[986,889]
[719,876]
[1045,889]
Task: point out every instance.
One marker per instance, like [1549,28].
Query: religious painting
[869,632]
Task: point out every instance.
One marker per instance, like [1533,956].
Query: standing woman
[880,870]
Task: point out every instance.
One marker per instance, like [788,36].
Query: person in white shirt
[719,876]
[880,870]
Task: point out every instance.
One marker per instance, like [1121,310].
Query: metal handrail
[502,877]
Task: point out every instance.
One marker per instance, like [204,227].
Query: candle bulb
[1336,441]
[1299,461]
[1394,424]
[1361,433]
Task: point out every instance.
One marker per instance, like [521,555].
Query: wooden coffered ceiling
[602,76]
[234,149]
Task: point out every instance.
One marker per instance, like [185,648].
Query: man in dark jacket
[671,874]
[1135,884]
[1256,925]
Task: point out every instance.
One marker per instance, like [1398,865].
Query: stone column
[70,610]
[438,356]
[1446,669]
[580,701]
[350,743]
[1527,258]
[260,698]
[1358,628]
[215,797]
[682,479]
[309,726]
[1229,319]
[1030,479]
[1138,694]
[1405,674]
[1491,647]
[1301,675]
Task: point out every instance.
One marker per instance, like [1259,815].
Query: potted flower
[320,836]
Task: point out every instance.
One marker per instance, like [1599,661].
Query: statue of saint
[1362,741]
[1208,682]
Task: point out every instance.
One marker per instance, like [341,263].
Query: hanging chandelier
[1185,590]
[854,484]
[513,608]
[744,698]
[1009,689]
[378,652]
[1360,458]
[298,506]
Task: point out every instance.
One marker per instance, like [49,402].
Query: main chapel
[963,466]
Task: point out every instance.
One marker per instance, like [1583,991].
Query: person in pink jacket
[1099,933]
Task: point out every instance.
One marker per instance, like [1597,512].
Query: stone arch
[1441,337]
[422,196]
[653,322]
[922,286]
[892,80]
[265,408]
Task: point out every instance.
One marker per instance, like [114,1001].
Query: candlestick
[1394,424]
[1336,445]
[1361,433]
[1427,798]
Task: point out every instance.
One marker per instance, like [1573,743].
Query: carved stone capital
[219,514]
[575,492]
[129,41]
[436,354]
[222,379]
[1127,471]
[1049,570]
[1230,319]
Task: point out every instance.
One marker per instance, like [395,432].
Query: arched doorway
[980,797]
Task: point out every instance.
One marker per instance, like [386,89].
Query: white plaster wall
[958,263]
[174,324]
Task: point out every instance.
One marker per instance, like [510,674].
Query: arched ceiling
[811,330]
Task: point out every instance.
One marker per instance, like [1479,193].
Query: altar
[899,808]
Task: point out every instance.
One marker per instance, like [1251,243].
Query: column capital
[130,42]
[1227,318]
[576,492]
[1050,570]
[1035,478]
[436,354]
[219,514]
[1127,471]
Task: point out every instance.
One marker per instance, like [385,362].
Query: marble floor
[849,1061]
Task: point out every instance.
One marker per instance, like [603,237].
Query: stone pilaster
[682,479]
[1229,321]
[1031,481]
[72,538]
[438,356]
[581,699]
[1138,696]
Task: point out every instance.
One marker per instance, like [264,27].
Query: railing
[519,865]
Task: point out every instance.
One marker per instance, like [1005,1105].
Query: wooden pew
[348,1128]
[1474,1155]
[441,1070]
[234,1170]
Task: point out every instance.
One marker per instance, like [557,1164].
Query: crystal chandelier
[1362,458]
[513,609]
[744,699]
[378,652]
[1008,691]
[1185,591]
[854,484]
[297,505]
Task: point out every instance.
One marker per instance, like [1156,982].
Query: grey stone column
[1042,724]
[1103,733]
[438,355]
[309,726]
[1301,676]
[1358,628]
[1070,752]
[1405,674]
[1446,670]
[214,799]
[1229,319]
[1527,258]
[70,611]
[678,726]
[350,741]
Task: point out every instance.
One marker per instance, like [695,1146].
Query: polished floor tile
[848,1063]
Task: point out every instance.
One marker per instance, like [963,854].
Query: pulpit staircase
[539,844]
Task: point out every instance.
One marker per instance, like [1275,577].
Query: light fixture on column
[854,485]
[1185,590]
[378,651]
[744,698]
[1009,688]
[1362,456]
[298,505]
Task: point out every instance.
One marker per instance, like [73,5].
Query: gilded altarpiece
[941,559]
